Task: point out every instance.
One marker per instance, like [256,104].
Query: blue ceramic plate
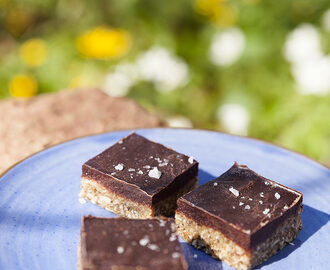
[40,214]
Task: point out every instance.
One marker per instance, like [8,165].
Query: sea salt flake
[247,207]
[234,207]
[285,207]
[277,196]
[140,172]
[131,170]
[267,183]
[153,247]
[266,211]
[146,166]
[162,223]
[144,241]
[262,194]
[195,256]
[120,250]
[250,199]
[163,163]
[260,202]
[119,167]
[240,203]
[215,184]
[234,191]
[176,255]
[191,160]
[155,173]
[172,237]
[120,142]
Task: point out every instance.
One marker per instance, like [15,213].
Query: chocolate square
[119,243]
[145,177]
[254,215]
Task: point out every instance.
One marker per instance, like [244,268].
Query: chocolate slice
[138,178]
[241,217]
[119,243]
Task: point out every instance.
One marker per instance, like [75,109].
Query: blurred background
[249,67]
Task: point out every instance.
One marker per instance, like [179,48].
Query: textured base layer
[97,194]
[219,246]
[79,266]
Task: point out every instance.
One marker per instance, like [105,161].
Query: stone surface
[29,125]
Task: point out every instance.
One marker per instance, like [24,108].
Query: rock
[29,125]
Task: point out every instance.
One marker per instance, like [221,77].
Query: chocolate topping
[148,244]
[240,203]
[135,163]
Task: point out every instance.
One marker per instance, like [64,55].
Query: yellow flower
[23,85]
[104,43]
[206,7]
[224,15]
[219,11]
[33,52]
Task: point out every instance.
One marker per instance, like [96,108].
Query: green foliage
[261,79]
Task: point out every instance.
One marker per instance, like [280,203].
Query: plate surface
[40,214]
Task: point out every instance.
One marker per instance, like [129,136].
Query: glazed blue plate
[40,213]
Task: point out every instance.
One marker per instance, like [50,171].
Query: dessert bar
[127,244]
[138,178]
[240,217]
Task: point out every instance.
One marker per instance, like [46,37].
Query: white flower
[227,47]
[302,44]
[179,122]
[159,66]
[119,82]
[130,69]
[310,67]
[326,21]
[234,118]
[313,76]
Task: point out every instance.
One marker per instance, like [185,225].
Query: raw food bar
[240,217]
[138,178]
[128,244]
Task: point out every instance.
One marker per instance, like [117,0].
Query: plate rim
[107,135]
[169,128]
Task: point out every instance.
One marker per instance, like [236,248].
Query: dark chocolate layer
[149,244]
[243,205]
[126,166]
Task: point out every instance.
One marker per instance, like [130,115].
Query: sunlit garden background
[248,67]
